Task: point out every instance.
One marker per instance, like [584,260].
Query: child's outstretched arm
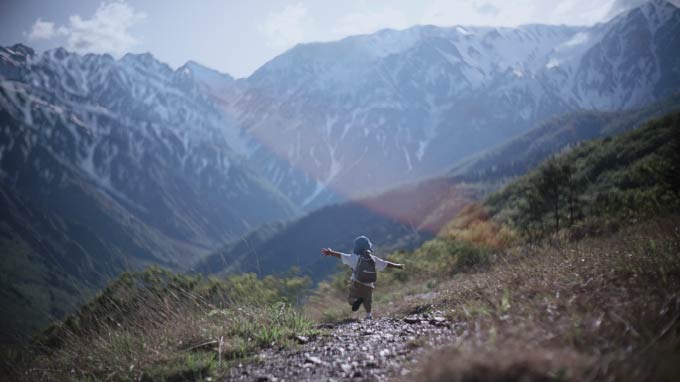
[330,252]
[394,265]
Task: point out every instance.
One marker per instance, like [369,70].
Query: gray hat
[361,245]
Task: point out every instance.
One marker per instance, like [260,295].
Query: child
[361,292]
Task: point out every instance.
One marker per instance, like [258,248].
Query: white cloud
[45,30]
[479,12]
[370,21]
[487,8]
[285,28]
[106,32]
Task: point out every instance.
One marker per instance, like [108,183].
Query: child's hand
[326,251]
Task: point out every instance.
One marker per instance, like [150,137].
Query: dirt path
[367,350]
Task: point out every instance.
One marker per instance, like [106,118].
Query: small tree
[572,188]
[531,212]
[550,185]
[554,189]
[673,172]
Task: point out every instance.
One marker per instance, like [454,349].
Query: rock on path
[369,350]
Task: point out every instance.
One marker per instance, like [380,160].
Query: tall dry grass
[604,308]
[157,325]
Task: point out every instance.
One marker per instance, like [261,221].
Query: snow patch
[408,158]
[552,63]
[330,121]
[319,187]
[578,39]
[335,167]
[422,145]
[464,31]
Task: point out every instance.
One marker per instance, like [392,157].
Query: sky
[237,37]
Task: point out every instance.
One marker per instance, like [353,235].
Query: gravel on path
[368,350]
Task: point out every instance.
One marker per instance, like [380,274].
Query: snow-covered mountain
[331,120]
[148,138]
[327,121]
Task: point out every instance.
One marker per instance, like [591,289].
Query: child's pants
[357,290]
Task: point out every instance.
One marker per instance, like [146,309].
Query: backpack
[365,269]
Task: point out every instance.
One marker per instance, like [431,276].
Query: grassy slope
[36,285]
[157,325]
[622,177]
[601,307]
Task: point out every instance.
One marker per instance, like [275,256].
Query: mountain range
[328,121]
[113,164]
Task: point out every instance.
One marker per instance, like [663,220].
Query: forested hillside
[605,181]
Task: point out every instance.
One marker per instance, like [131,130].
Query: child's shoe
[369,316]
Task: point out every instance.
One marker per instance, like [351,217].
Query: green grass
[157,325]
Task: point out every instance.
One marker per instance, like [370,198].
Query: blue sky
[237,37]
